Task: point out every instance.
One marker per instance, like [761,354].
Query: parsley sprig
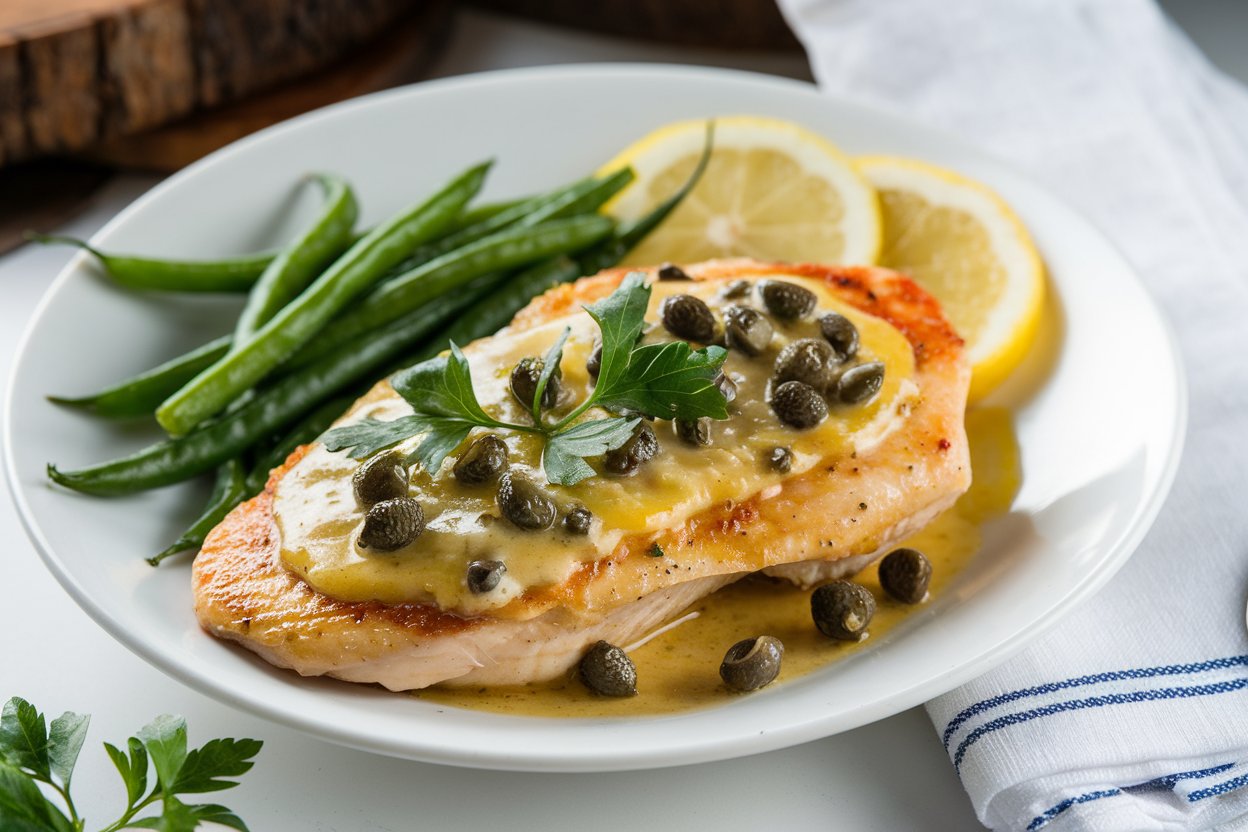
[32,752]
[664,381]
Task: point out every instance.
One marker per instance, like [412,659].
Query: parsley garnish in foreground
[664,381]
[33,752]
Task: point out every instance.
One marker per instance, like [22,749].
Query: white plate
[1100,418]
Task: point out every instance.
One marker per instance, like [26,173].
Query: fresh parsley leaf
[24,737]
[29,755]
[620,317]
[204,767]
[212,813]
[439,436]
[23,808]
[550,364]
[564,456]
[65,737]
[165,741]
[175,816]
[133,770]
[368,437]
[442,435]
[669,381]
[180,817]
[441,386]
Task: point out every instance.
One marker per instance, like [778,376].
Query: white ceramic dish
[1100,413]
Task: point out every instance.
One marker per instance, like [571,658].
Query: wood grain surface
[75,72]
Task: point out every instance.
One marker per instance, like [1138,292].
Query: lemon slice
[772,190]
[964,244]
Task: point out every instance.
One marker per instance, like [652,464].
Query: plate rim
[898,699]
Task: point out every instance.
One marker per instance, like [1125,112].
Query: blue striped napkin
[1132,714]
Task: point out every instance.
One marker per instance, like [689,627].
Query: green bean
[480,213]
[302,259]
[209,392]
[228,491]
[581,197]
[140,395]
[504,250]
[233,274]
[628,235]
[270,410]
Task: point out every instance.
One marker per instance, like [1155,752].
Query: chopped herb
[655,551]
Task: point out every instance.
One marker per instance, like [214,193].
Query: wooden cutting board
[76,72]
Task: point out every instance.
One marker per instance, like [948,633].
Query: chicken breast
[831,519]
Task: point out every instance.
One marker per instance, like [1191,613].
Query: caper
[670,271]
[746,330]
[752,663]
[483,460]
[485,575]
[858,384]
[593,364]
[688,317]
[807,360]
[726,386]
[735,289]
[780,459]
[523,503]
[578,520]
[787,301]
[798,405]
[841,333]
[905,574]
[608,671]
[524,378]
[694,431]
[383,477]
[642,446]
[392,524]
[842,610]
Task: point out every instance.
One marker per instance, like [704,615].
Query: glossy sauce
[319,520]
[679,670]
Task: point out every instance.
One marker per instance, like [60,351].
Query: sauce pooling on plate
[677,670]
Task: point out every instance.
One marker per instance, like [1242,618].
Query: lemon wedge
[963,244]
[772,191]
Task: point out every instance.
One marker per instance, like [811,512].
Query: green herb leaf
[369,436]
[23,808]
[441,437]
[175,816]
[212,813]
[165,741]
[669,381]
[564,456]
[24,737]
[660,380]
[620,317]
[133,770]
[181,817]
[205,767]
[655,551]
[65,737]
[550,365]
[441,386]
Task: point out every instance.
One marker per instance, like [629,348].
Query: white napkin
[1133,713]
